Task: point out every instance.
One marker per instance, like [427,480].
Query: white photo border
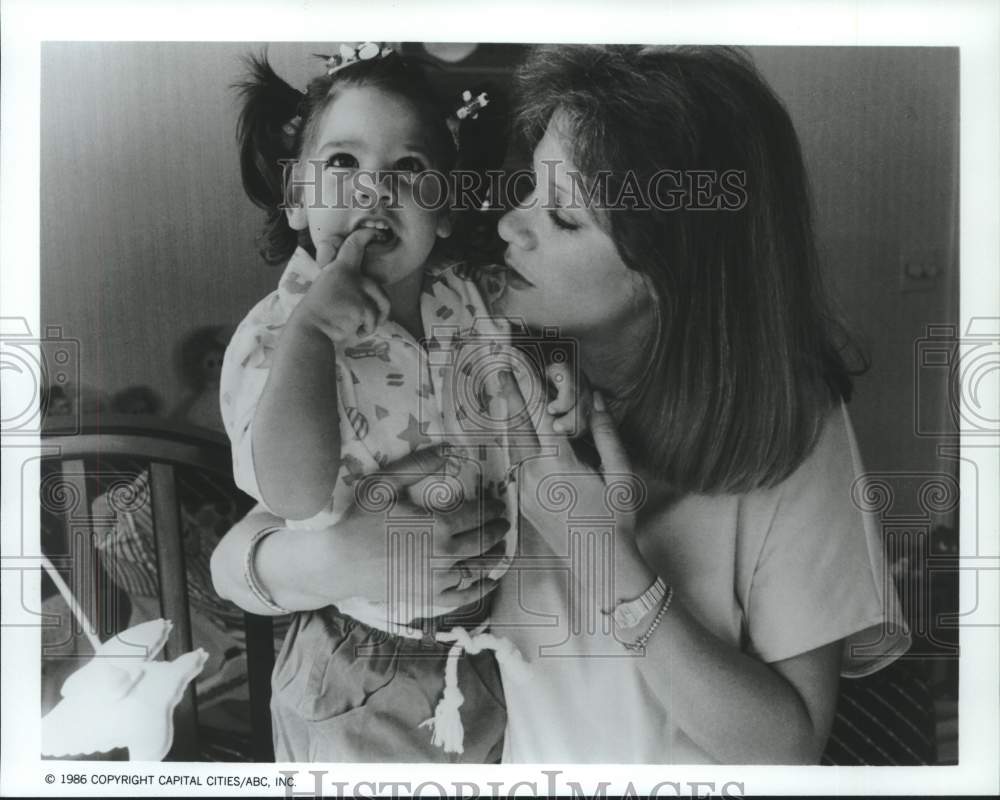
[971,26]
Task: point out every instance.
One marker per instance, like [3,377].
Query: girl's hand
[343,303]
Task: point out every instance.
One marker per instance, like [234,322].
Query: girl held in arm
[347,368]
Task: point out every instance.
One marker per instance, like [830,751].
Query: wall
[146,232]
[879,131]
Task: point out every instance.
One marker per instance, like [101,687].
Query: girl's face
[365,131]
[564,269]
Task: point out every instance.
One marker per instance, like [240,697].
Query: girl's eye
[342,161]
[561,222]
[410,164]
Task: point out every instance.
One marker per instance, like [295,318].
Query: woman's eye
[410,164]
[342,161]
[561,222]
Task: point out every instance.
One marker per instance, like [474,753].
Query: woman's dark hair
[747,360]
[266,139]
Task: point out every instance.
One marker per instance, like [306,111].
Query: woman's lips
[515,280]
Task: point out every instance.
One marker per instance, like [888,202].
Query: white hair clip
[366,51]
[472,105]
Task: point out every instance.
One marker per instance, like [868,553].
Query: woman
[669,234]
[706,330]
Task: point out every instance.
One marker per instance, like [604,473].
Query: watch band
[629,613]
[639,645]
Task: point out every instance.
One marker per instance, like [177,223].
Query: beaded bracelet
[639,644]
[250,573]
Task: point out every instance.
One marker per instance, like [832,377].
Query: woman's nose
[513,228]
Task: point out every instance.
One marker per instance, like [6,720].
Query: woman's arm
[735,707]
[302,570]
[283,576]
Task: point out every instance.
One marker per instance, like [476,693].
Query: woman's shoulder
[833,464]
[821,493]
[813,517]
[824,482]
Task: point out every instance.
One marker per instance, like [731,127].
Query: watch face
[628,617]
[630,613]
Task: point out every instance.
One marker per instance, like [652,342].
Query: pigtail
[267,135]
[482,136]
[482,149]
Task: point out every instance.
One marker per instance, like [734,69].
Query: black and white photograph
[472,412]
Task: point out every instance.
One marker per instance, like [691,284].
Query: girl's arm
[296,427]
[296,430]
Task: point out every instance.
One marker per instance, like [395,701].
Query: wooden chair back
[79,466]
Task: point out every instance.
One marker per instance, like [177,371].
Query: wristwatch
[629,613]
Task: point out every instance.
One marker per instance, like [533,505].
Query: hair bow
[366,51]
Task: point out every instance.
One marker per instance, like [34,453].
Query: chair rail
[162,445]
[141,437]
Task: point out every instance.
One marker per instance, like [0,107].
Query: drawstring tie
[446,724]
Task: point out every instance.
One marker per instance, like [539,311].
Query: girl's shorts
[343,691]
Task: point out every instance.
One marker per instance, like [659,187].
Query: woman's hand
[573,401]
[731,704]
[556,484]
[303,570]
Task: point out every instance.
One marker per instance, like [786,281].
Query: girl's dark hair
[748,360]
[266,139]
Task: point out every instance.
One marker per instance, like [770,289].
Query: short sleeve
[245,368]
[820,574]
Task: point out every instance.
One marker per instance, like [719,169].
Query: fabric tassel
[446,724]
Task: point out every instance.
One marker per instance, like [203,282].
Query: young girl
[326,382]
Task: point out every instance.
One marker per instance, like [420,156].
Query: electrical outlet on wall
[920,270]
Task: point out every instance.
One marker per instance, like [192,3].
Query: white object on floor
[122,698]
